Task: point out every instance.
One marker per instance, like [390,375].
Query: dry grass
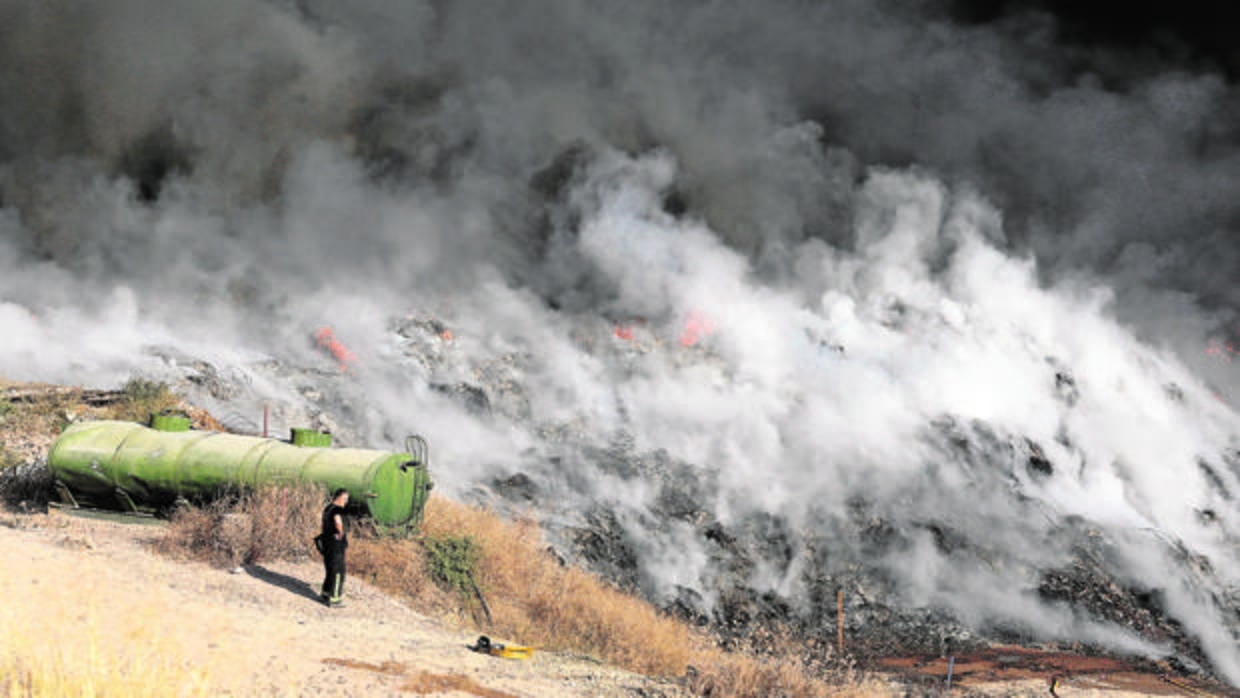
[271,523]
[536,600]
[43,410]
[777,664]
[529,594]
[35,678]
[66,652]
[531,598]
[23,678]
[39,412]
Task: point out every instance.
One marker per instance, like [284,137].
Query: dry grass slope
[29,678]
[536,600]
[529,596]
[84,664]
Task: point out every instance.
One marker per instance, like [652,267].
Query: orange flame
[697,328]
[326,339]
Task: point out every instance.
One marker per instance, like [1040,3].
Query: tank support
[66,496]
[123,498]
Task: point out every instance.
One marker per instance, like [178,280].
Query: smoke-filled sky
[1103,160]
[878,217]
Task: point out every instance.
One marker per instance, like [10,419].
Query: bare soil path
[87,588]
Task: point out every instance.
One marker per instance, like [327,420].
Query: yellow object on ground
[512,651]
[496,649]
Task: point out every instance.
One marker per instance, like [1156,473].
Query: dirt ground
[92,592]
[1020,671]
[97,586]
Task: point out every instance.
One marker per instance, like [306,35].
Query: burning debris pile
[1070,579]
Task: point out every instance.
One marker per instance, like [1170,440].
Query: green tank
[110,463]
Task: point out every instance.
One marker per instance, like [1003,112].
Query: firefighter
[335,538]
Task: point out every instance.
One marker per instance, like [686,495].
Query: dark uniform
[333,553]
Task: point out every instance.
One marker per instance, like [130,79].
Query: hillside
[101,604]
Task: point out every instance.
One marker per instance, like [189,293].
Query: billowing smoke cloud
[829,262]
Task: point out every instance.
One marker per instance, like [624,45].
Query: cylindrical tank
[104,461]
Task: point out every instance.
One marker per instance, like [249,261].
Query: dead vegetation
[533,597]
[475,569]
[68,650]
[42,409]
[777,664]
[528,593]
[36,413]
[270,523]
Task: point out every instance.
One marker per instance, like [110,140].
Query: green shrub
[142,390]
[452,561]
[142,399]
